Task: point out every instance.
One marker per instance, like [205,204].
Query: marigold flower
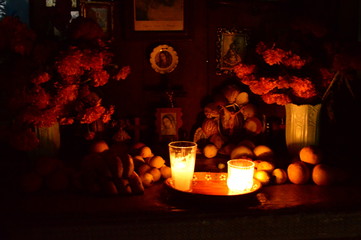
[99,78]
[277,98]
[67,94]
[303,88]
[108,114]
[41,78]
[274,56]
[40,98]
[123,73]
[260,48]
[294,61]
[66,121]
[92,114]
[242,70]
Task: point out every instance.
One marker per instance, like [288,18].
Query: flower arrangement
[64,89]
[299,67]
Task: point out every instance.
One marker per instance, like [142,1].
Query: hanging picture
[231,48]
[163,59]
[102,13]
[169,120]
[158,15]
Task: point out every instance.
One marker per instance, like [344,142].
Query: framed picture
[102,13]
[158,15]
[169,120]
[157,18]
[163,59]
[74,4]
[231,48]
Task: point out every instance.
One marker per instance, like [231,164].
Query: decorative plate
[164,59]
[213,184]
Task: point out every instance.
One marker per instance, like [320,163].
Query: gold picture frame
[163,59]
[169,120]
[102,13]
[231,48]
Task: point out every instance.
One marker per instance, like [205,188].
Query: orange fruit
[263,152]
[166,172]
[265,166]
[242,98]
[155,173]
[298,172]
[323,174]
[147,179]
[146,152]
[143,168]
[241,152]
[262,176]
[156,161]
[311,154]
[210,151]
[253,125]
[280,176]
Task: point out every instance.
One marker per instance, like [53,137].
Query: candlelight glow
[240,174]
[182,159]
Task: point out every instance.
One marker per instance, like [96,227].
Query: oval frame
[168,63]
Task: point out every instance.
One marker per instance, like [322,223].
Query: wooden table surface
[286,211]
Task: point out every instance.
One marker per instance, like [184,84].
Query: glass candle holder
[240,174]
[182,160]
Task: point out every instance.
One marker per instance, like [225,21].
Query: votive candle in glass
[240,174]
[182,160]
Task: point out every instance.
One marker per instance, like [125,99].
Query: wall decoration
[102,13]
[157,19]
[163,59]
[158,15]
[50,3]
[231,48]
[169,120]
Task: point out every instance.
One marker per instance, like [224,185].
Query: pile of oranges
[310,166]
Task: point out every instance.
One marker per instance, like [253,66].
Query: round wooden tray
[213,184]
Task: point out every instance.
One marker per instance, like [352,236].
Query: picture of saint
[159,10]
[163,59]
[232,58]
[233,50]
[169,124]
[100,15]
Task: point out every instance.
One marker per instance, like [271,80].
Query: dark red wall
[137,96]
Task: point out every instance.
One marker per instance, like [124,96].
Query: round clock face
[164,59]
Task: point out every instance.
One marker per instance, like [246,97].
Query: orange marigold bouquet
[64,90]
[299,67]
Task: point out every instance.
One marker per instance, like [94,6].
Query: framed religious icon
[102,13]
[158,15]
[158,19]
[74,4]
[163,59]
[169,120]
[231,48]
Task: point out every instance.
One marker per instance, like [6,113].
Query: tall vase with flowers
[61,88]
[298,71]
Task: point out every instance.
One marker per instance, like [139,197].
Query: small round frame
[164,59]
